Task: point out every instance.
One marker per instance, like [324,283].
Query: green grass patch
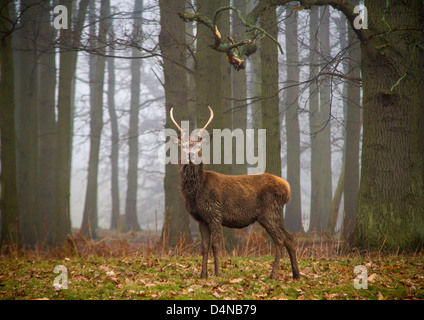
[177,277]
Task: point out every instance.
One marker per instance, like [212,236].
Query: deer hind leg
[289,244]
[270,222]
[206,242]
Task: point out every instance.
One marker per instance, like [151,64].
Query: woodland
[86,91]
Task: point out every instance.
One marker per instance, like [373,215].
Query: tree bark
[391,202]
[30,221]
[230,239]
[270,94]
[10,232]
[176,218]
[239,86]
[208,76]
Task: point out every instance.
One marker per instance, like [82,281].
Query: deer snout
[191,155]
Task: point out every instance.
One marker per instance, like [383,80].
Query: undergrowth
[133,268]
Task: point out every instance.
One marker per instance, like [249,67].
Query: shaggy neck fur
[191,179]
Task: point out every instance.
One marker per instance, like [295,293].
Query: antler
[173,120]
[201,130]
[209,121]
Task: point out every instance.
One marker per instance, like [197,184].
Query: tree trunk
[114,155]
[270,94]
[226,82]
[176,218]
[256,90]
[239,83]
[89,223]
[30,221]
[421,83]
[391,202]
[230,239]
[47,127]
[9,196]
[68,60]
[208,80]
[353,131]
[335,203]
[314,120]
[325,187]
[293,215]
[131,222]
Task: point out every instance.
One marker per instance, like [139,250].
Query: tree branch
[246,47]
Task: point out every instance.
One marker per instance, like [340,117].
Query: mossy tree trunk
[391,202]
[270,94]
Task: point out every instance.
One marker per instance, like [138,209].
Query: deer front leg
[216,232]
[206,241]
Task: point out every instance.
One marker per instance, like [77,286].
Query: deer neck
[192,177]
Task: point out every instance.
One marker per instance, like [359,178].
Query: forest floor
[117,270]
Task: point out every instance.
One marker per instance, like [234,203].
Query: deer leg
[206,241]
[289,244]
[272,227]
[216,231]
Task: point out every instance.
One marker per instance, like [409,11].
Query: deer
[215,200]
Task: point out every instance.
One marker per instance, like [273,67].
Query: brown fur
[217,200]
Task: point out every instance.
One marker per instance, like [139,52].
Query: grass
[144,273]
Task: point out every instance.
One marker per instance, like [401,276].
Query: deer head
[191,146]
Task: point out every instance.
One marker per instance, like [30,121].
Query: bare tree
[97,72]
[293,216]
[131,222]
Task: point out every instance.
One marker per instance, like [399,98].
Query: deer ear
[176,140]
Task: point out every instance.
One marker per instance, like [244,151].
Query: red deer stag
[217,200]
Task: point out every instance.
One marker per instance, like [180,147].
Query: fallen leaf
[371,277]
[235,280]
